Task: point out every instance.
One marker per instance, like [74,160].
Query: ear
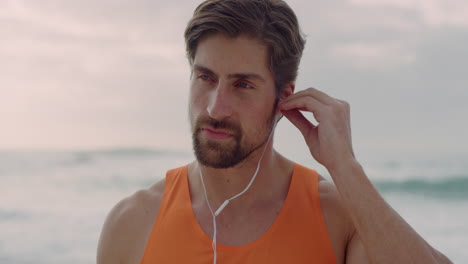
[287,90]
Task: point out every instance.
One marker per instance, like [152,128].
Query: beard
[223,155]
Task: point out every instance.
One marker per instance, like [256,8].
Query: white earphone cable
[226,202]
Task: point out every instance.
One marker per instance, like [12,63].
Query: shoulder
[339,225]
[128,226]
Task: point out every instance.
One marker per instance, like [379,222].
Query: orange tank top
[298,235]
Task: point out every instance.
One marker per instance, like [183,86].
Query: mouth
[215,134]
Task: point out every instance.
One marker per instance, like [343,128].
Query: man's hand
[380,231]
[329,142]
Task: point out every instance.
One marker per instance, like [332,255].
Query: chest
[238,228]
[273,220]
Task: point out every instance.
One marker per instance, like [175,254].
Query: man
[241,201]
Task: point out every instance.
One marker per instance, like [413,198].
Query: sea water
[53,204]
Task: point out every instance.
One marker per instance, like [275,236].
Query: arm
[380,231]
[128,226]
[111,243]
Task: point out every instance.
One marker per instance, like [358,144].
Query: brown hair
[272,22]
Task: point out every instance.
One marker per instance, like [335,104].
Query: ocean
[53,203]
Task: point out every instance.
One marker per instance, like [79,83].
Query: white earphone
[226,202]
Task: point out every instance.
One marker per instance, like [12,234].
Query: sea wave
[84,156]
[27,161]
[453,187]
[118,152]
[12,215]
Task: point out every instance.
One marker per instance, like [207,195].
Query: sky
[104,74]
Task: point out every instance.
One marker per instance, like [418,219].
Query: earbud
[280,115]
[279,118]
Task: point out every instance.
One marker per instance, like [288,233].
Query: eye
[204,77]
[244,85]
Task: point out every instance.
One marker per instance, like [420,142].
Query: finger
[314,93]
[298,120]
[304,103]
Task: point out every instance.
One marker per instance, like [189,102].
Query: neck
[222,184]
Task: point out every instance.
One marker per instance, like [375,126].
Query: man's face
[232,100]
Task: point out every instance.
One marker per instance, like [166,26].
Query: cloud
[368,38]
[95,73]
[74,73]
[367,56]
[433,13]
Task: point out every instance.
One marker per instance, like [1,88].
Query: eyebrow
[244,75]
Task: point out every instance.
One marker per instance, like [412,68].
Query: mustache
[207,121]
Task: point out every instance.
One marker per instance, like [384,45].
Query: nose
[219,106]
